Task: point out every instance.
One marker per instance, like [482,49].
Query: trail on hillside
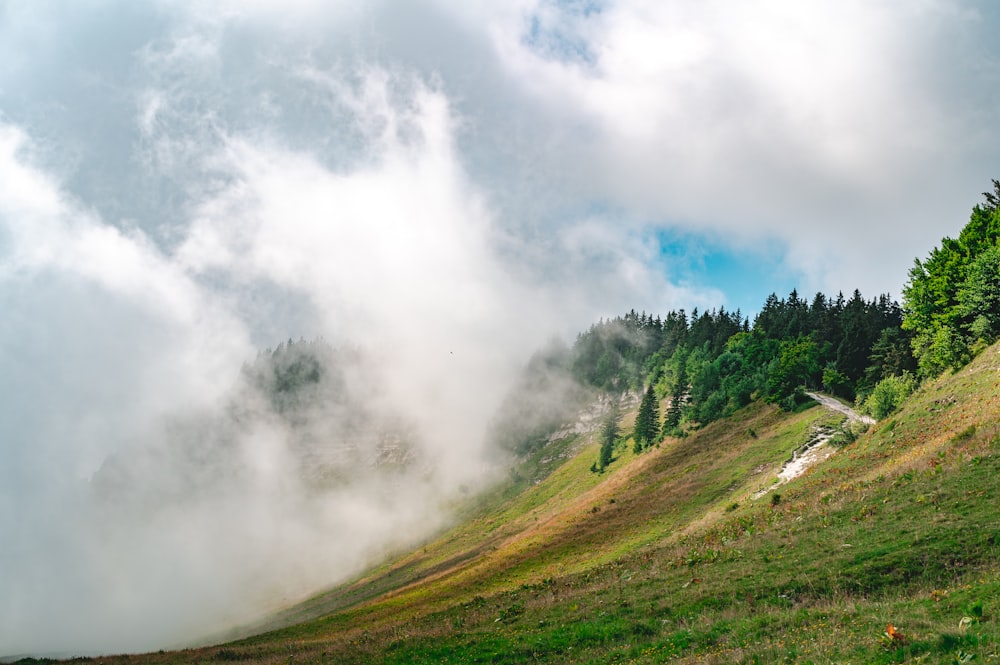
[816,449]
[836,405]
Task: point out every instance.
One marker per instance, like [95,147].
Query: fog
[151,496]
[109,340]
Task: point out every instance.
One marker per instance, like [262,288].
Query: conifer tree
[647,421]
[654,415]
[941,301]
[673,419]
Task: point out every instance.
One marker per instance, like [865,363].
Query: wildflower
[893,635]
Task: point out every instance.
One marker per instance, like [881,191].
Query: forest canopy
[952,299]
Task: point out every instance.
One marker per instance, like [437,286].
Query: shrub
[887,395]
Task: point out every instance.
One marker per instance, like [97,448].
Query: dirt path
[816,449]
[836,405]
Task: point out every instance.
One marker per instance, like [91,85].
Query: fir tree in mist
[647,421]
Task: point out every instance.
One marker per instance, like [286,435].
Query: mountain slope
[668,556]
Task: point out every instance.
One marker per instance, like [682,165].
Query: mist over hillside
[300,475]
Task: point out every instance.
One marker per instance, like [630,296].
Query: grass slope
[666,556]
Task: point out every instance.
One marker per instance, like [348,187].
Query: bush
[887,395]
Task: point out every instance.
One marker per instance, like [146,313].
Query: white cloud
[821,123]
[48,232]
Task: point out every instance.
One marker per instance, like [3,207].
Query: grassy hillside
[667,555]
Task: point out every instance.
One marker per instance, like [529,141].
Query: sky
[448,184]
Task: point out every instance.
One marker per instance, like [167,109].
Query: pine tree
[647,422]
[654,415]
[936,300]
[673,419]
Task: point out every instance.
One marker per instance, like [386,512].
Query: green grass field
[887,552]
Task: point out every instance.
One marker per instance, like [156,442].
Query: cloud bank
[120,347]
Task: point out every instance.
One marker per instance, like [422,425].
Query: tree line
[952,298]
[706,365]
[712,363]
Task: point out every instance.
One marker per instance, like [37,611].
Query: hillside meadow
[887,552]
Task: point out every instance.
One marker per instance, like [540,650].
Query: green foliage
[713,363]
[940,348]
[673,419]
[796,365]
[612,355]
[951,299]
[647,420]
[794,344]
[835,382]
[887,395]
[860,325]
[891,355]
[979,296]
[710,364]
